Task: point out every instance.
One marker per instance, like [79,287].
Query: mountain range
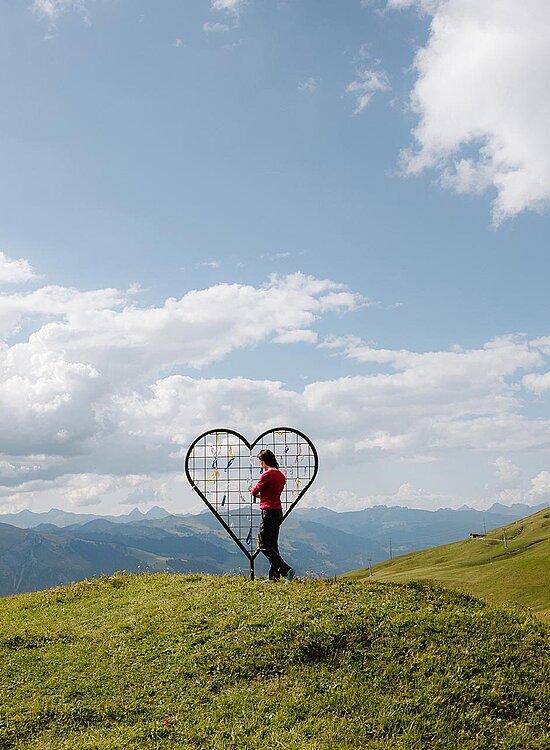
[40,550]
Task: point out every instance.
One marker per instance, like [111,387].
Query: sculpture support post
[251,568]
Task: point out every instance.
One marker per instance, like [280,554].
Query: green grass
[168,661]
[519,574]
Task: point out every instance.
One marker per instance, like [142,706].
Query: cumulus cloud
[369,81]
[384,441]
[88,489]
[52,9]
[47,402]
[229,6]
[298,336]
[78,490]
[55,301]
[539,383]
[86,394]
[57,389]
[15,271]
[426,6]
[505,470]
[482,100]
[542,343]
[433,402]
[540,486]
[460,398]
[105,329]
[406,495]
[147,495]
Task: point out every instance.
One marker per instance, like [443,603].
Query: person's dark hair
[268,457]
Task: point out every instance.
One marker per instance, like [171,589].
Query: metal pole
[251,568]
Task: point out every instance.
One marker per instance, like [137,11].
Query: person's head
[267,457]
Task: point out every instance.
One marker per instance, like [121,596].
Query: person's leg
[274,572]
[268,540]
[285,570]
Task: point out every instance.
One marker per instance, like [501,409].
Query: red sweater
[269,488]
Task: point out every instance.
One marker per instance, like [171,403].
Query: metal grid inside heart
[221,466]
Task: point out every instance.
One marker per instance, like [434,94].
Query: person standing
[269,488]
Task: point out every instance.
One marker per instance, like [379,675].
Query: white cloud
[308,85]
[426,6]
[383,441]
[463,399]
[215,28]
[540,486]
[147,495]
[88,489]
[542,343]
[57,388]
[435,402]
[56,301]
[86,393]
[482,97]
[52,9]
[299,336]
[15,271]
[418,459]
[369,81]
[539,383]
[505,470]
[194,330]
[405,495]
[229,6]
[338,500]
[342,301]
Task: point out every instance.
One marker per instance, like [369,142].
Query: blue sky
[325,214]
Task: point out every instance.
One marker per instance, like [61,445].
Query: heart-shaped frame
[220,467]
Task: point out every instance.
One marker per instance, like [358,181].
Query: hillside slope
[168,661]
[516,573]
[29,560]
[68,547]
[48,556]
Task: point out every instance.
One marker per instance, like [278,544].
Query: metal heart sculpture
[221,465]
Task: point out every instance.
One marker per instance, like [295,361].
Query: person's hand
[251,486]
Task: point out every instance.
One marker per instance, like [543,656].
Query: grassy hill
[171,661]
[516,573]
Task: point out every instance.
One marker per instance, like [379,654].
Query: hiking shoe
[290,575]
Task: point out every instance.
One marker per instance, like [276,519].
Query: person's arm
[255,491]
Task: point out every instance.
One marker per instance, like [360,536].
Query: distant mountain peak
[156,513]
[136,514]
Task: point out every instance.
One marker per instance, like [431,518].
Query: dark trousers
[268,538]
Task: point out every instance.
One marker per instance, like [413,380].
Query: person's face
[264,466]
